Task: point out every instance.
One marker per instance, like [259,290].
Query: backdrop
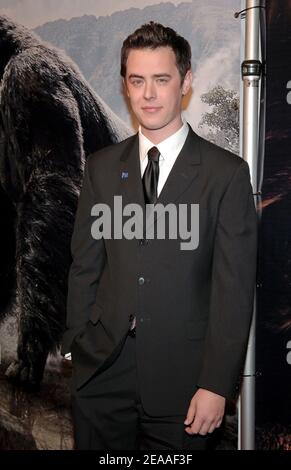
[90,33]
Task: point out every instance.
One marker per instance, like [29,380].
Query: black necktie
[151,176]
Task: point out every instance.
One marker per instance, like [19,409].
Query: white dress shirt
[169,150]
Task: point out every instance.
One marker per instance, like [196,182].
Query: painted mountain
[94,44]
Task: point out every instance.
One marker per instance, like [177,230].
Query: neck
[158,135]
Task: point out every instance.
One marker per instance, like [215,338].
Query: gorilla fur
[50,120]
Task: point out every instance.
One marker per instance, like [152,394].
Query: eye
[136,82]
[162,80]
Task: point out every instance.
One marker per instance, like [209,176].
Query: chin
[152,125]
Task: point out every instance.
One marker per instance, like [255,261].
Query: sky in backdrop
[32,13]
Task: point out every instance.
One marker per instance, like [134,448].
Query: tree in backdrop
[222,122]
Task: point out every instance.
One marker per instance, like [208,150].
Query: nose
[149,90]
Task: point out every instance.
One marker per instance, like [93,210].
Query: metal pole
[251,75]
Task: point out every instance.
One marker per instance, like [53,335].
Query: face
[153,85]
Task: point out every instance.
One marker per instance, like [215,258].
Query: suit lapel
[130,175]
[184,170]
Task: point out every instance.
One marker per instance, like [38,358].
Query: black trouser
[108,413]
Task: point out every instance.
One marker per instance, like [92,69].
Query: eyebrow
[156,75]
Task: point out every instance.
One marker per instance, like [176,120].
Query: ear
[187,82]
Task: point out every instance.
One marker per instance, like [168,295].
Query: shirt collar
[170,144]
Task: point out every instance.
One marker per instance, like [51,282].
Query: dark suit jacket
[194,308]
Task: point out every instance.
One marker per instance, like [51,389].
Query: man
[158,333]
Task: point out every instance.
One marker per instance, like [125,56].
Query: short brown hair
[152,35]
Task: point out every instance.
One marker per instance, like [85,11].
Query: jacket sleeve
[232,287]
[88,262]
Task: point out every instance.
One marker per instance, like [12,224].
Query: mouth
[151,109]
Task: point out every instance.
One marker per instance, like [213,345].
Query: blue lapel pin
[124,174]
